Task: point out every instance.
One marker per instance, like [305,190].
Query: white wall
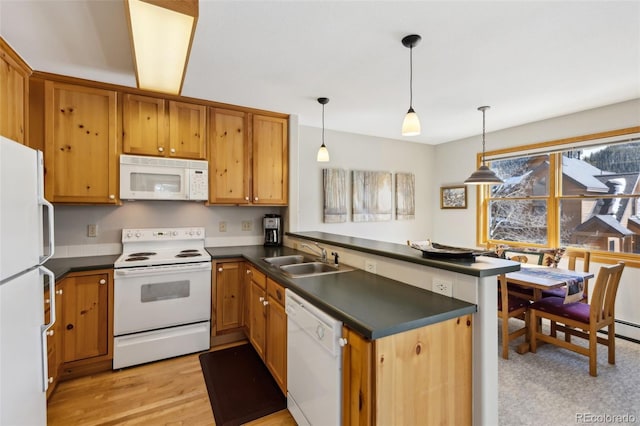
[359,152]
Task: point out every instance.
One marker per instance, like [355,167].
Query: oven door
[148,298]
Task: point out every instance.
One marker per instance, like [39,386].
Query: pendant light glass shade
[484,175]
[323,152]
[411,123]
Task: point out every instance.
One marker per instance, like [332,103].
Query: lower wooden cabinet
[81,341]
[258,312]
[54,338]
[421,376]
[228,295]
[276,334]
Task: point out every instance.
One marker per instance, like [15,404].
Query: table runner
[574,284]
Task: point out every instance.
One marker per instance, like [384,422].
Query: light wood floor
[170,392]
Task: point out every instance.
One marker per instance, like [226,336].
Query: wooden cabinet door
[257,312]
[187,126]
[246,288]
[229,295]
[144,125]
[357,380]
[270,160]
[81,144]
[13,95]
[229,158]
[85,317]
[276,356]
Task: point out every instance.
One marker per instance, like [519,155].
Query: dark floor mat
[240,387]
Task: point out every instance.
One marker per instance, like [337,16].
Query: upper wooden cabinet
[81,144]
[230,157]
[248,169]
[154,126]
[270,160]
[14,94]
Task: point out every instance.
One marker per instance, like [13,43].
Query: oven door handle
[156,270]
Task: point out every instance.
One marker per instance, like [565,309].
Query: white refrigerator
[26,227]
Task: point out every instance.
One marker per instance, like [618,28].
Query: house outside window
[581,192]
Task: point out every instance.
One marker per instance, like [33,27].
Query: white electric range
[162,295]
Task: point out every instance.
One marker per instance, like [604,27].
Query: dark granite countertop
[370,304]
[483,266]
[63,265]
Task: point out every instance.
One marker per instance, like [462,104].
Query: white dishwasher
[314,364]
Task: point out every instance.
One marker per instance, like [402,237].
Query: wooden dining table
[539,278]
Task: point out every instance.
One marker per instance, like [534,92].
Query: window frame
[554,149]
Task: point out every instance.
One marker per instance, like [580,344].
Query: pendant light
[411,123]
[484,175]
[323,152]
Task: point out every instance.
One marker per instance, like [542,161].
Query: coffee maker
[272,224]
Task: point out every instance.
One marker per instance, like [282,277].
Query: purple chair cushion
[555,305]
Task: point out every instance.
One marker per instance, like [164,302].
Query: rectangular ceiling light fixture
[161,34]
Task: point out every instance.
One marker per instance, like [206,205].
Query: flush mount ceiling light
[161,33]
[323,152]
[484,175]
[411,123]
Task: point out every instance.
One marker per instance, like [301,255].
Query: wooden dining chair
[573,255]
[581,319]
[510,306]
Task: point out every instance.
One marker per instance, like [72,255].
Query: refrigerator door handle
[45,327]
[51,242]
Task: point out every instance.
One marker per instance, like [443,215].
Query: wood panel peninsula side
[471,281]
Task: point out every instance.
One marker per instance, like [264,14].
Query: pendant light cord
[483,160]
[322,124]
[411,77]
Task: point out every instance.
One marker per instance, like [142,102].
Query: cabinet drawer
[258,277]
[275,291]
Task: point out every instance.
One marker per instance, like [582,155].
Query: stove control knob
[174,233]
[198,232]
[190,232]
[129,234]
[138,234]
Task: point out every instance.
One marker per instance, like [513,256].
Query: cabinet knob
[59,292]
[49,333]
[219,269]
[160,149]
[248,271]
[255,198]
[173,150]
[246,198]
[342,341]
[50,380]
[47,301]
[261,299]
[265,303]
[102,281]
[112,197]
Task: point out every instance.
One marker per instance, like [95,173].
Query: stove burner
[143,253]
[189,251]
[136,258]
[181,254]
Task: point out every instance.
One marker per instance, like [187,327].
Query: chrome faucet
[323,251]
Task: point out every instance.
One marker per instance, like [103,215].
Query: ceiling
[528,60]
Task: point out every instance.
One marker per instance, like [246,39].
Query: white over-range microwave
[152,178]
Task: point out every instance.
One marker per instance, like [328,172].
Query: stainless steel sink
[285,260]
[312,268]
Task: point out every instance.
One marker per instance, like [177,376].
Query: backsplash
[71,224]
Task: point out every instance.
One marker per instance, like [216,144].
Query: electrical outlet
[222,226]
[92,230]
[246,225]
[370,266]
[442,286]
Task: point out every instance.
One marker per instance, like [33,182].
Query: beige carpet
[553,387]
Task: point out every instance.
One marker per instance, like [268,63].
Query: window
[583,192]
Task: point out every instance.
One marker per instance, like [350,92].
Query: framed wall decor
[453,197]
[372,196]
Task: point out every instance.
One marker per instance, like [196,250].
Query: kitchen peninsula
[472,281]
